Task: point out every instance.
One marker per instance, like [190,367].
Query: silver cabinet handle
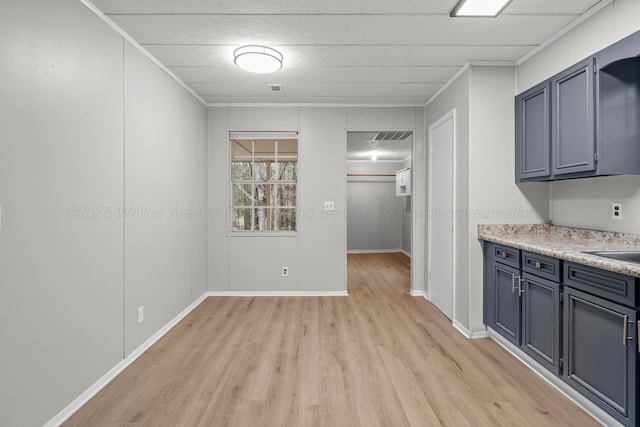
[520,288]
[503,254]
[539,264]
[513,284]
[625,331]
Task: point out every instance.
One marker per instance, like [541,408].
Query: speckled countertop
[566,243]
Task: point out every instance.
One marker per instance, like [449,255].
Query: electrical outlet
[140,314]
[616,210]
[329,205]
[285,271]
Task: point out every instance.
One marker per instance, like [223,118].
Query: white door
[441,213]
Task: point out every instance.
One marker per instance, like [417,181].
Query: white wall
[322,242]
[486,192]
[456,96]
[316,257]
[164,257]
[494,198]
[65,248]
[586,203]
[375,213]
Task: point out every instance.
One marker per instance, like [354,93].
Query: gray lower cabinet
[580,323]
[521,305]
[600,340]
[506,302]
[541,321]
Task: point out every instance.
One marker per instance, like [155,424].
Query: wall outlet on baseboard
[616,210]
[285,271]
[140,314]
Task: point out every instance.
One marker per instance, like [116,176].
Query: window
[264,182]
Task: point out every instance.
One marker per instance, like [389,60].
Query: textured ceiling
[351,52]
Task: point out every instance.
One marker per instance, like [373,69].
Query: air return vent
[391,136]
[276,89]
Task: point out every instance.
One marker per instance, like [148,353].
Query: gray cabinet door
[599,363]
[533,133]
[541,321]
[573,118]
[506,302]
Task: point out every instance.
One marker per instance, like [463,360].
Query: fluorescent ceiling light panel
[484,8]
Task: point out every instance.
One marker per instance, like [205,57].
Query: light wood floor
[376,358]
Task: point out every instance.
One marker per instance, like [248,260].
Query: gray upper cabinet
[533,117]
[583,122]
[573,132]
[618,95]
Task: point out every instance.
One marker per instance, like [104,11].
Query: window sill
[262,234]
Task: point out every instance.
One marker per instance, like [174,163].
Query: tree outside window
[264,182]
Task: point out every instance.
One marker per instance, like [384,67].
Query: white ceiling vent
[277,89]
[391,136]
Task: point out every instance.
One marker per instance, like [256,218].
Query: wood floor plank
[379,357]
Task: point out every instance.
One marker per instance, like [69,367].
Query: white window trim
[229,183]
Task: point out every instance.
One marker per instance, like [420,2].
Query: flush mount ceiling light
[257,59]
[479,8]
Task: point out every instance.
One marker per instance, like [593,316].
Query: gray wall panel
[61,156]
[160,178]
[62,190]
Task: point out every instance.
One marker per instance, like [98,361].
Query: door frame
[449,115]
[413,218]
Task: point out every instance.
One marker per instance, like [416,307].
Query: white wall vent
[391,136]
[276,89]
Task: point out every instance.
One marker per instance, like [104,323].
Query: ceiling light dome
[258,59]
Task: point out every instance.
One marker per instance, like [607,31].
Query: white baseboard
[277,294]
[555,382]
[419,293]
[479,335]
[377,251]
[121,366]
[402,251]
[467,333]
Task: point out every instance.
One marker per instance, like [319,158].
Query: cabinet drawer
[506,255]
[606,284]
[541,265]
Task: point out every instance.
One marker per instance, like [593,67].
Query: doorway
[441,218]
[379,208]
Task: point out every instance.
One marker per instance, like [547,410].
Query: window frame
[231,183]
